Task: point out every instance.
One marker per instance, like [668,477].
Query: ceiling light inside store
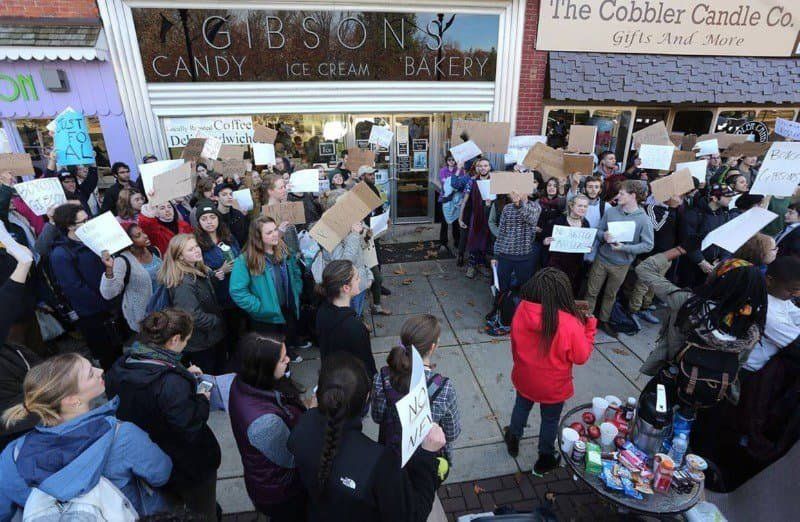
[333,130]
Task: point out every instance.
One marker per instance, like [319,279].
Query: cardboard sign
[263,134]
[622,231]
[104,233]
[51,127]
[508,182]
[737,231]
[581,163]
[780,172]
[676,138]
[371,255]
[675,184]
[264,154]
[485,188]
[682,156]
[41,194]
[656,156]
[358,157]
[149,170]
[465,152]
[655,134]
[787,129]
[582,138]
[414,410]
[244,199]
[488,136]
[234,152]
[289,211]
[707,147]
[688,141]
[725,140]
[172,184]
[211,148]
[193,150]
[547,160]
[72,142]
[381,136]
[748,148]
[572,239]
[17,164]
[232,168]
[335,223]
[306,180]
[519,146]
[698,169]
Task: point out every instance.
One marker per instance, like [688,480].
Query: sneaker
[304,345]
[545,464]
[649,317]
[379,310]
[636,321]
[385,291]
[293,356]
[608,329]
[512,442]
[470,272]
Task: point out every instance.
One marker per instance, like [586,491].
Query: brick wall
[532,76]
[48,9]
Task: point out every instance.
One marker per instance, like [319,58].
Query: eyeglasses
[123,172]
[82,222]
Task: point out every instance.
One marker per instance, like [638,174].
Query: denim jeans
[548,429]
[515,268]
[357,303]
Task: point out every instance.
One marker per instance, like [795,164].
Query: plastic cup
[568,438]
[607,433]
[599,407]
[614,401]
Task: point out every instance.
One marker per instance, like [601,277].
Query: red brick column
[49,9]
[532,76]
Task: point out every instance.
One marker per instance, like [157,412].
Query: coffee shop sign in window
[184,45]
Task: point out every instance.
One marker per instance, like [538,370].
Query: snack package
[609,478]
[627,486]
[594,464]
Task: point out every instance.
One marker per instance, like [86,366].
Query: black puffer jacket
[700,220]
[162,400]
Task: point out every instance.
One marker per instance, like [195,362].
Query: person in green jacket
[266,283]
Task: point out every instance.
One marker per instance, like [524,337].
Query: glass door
[362,126]
[413,190]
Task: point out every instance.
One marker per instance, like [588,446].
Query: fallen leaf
[491,417]
[408,282]
[477,489]
[496,341]
[458,314]
[399,271]
[619,351]
[378,325]
[518,477]
[471,302]
[442,294]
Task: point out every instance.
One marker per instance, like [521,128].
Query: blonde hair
[44,387]
[255,253]
[571,202]
[174,268]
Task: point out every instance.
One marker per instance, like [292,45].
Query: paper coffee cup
[568,438]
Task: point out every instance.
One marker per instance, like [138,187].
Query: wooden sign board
[547,160]
[16,163]
[357,157]
[289,211]
[507,182]
[263,134]
[231,152]
[335,223]
[488,136]
[582,138]
[582,163]
[675,184]
[747,148]
[655,134]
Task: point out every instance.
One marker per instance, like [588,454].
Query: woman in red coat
[548,335]
[161,223]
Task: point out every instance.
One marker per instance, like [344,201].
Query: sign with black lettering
[207,45]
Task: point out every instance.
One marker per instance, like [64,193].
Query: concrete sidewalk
[478,365]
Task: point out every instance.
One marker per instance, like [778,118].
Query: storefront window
[559,122]
[692,122]
[647,117]
[769,116]
[729,121]
[612,130]
[307,139]
[37,141]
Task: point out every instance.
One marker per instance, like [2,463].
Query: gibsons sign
[185,45]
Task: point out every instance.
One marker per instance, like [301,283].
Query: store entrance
[404,167]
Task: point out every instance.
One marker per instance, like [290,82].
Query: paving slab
[232,496]
[411,294]
[231,466]
[427,267]
[479,462]
[465,302]
[625,361]
[390,326]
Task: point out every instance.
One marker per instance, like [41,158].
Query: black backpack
[705,375]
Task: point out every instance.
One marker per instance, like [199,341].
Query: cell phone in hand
[204,386]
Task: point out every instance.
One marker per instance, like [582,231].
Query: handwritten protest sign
[737,231]
[350,208]
[707,147]
[41,194]
[51,127]
[414,410]
[306,180]
[231,152]
[697,168]
[17,164]
[211,148]
[787,129]
[582,138]
[484,186]
[519,146]
[232,168]
[622,231]
[748,148]
[487,136]
[547,160]
[358,157]
[263,134]
[508,182]
[780,172]
[263,154]
[572,239]
[193,150]
[582,163]
[288,211]
[104,233]
[72,142]
[380,136]
[655,134]
[379,224]
[675,184]
[465,152]
[656,156]
[172,184]
[244,199]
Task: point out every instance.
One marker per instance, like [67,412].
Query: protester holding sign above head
[475,218]
[235,219]
[161,223]
[122,176]
[79,191]
[348,476]
[514,247]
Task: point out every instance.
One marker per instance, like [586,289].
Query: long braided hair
[551,288]
[342,392]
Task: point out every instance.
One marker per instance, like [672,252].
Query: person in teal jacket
[266,283]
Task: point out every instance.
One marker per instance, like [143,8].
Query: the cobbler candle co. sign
[184,45]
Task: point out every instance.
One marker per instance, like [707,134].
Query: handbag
[49,326]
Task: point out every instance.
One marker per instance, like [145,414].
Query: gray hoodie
[642,237]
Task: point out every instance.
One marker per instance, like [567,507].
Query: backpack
[621,320]
[160,300]
[705,375]
[103,502]
[391,431]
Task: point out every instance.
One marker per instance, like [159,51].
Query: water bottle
[678,450]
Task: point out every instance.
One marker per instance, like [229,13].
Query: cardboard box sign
[488,136]
[263,134]
[724,140]
[232,167]
[675,184]
[508,182]
[193,149]
[172,184]
[582,138]
[335,223]
[583,163]
[655,134]
[289,211]
[682,156]
[547,160]
[688,141]
[17,164]
[747,148]
[232,152]
[357,157]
